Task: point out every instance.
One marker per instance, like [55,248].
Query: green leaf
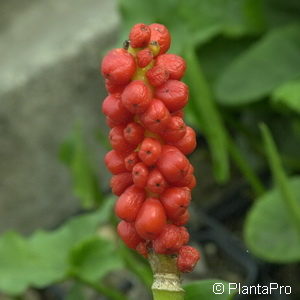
[194,22]
[288,94]
[269,232]
[280,178]
[85,180]
[94,258]
[270,62]
[43,258]
[76,292]
[205,112]
[204,289]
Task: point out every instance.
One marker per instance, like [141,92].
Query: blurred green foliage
[75,155]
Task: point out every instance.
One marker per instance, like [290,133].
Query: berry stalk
[151,174]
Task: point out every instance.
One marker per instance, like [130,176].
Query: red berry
[150,151]
[193,183]
[185,236]
[113,123]
[134,133]
[186,180]
[161,35]
[156,117]
[113,108]
[173,93]
[175,129]
[117,140]
[173,63]
[170,240]
[137,97]
[140,174]
[157,76]
[139,35]
[144,57]
[118,66]
[114,161]
[129,203]
[187,258]
[151,219]
[178,113]
[187,144]
[173,164]
[175,201]
[131,160]
[128,234]
[114,88]
[120,182]
[141,248]
[156,183]
[183,219]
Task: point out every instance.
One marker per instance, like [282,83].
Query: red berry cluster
[151,174]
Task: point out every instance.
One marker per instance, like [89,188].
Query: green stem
[166,284]
[280,177]
[103,290]
[167,295]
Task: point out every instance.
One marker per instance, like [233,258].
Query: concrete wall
[49,80]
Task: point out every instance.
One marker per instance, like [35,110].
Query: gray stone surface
[49,81]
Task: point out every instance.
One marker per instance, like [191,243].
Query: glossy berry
[173,93]
[113,88]
[157,75]
[173,165]
[150,151]
[156,183]
[136,97]
[120,182]
[187,144]
[114,161]
[171,239]
[141,248]
[175,201]
[118,66]
[134,133]
[174,64]
[156,117]
[161,35]
[144,57]
[175,129]
[140,174]
[151,219]
[129,203]
[128,234]
[178,113]
[183,219]
[118,141]
[113,108]
[131,160]
[113,122]
[186,180]
[187,258]
[193,183]
[139,35]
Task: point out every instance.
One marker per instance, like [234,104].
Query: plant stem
[280,177]
[166,284]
